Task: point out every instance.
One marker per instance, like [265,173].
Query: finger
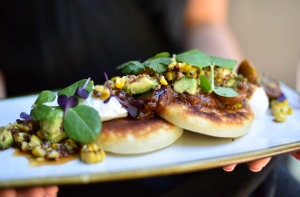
[229,168]
[257,165]
[296,155]
[8,193]
[51,191]
[31,192]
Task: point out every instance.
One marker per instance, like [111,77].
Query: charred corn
[163,80]
[91,153]
[280,110]
[120,82]
[101,92]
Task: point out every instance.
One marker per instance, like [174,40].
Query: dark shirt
[51,44]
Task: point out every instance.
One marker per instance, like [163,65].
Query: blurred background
[269,34]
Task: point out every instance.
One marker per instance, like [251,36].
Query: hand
[254,166]
[47,191]
[296,154]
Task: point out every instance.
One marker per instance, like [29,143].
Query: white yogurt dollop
[259,102]
[107,111]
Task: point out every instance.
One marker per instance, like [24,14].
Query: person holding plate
[48,45]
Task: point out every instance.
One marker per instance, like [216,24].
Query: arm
[207,29]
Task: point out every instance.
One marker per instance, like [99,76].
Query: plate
[191,152]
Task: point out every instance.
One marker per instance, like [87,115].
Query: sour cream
[107,111]
[259,102]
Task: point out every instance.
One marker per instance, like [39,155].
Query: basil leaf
[71,89]
[45,97]
[226,92]
[194,57]
[40,112]
[82,123]
[159,64]
[134,67]
[205,84]
[226,63]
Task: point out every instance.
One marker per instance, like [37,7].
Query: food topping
[248,71]
[54,130]
[279,104]
[91,153]
[6,138]
[280,109]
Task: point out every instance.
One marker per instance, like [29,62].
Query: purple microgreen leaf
[107,100]
[81,91]
[66,102]
[25,116]
[132,110]
[131,107]
[62,101]
[281,97]
[72,102]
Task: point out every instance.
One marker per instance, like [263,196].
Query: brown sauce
[34,162]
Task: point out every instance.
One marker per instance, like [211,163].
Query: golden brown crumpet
[128,136]
[205,117]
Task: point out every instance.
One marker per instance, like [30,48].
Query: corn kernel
[120,82]
[172,65]
[170,75]
[38,151]
[101,92]
[91,153]
[35,141]
[185,67]
[25,146]
[53,154]
[163,81]
[192,72]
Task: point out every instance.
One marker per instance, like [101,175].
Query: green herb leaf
[205,84]
[226,63]
[82,123]
[226,92]
[39,112]
[160,55]
[70,90]
[45,96]
[131,67]
[158,64]
[195,58]
[201,60]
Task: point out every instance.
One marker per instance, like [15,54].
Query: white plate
[191,152]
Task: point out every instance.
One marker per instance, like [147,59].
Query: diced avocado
[6,138]
[186,84]
[139,84]
[52,126]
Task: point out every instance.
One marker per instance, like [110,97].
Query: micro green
[202,60]
[131,107]
[39,110]
[80,122]
[158,64]
[25,116]
[81,91]
[66,102]
[72,89]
